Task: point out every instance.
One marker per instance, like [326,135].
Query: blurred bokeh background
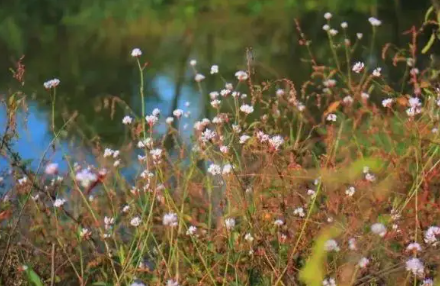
[87,45]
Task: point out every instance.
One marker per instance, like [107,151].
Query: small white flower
[331,245]
[333,32]
[350,191]
[214,169]
[414,246]
[108,222]
[59,202]
[51,83]
[136,221]
[331,117]
[151,119]
[348,100]
[85,232]
[317,181]
[377,72]
[225,92]
[217,120]
[235,94]
[127,120]
[215,103]
[262,137]
[358,67]
[365,95]
[280,92]
[344,25]
[432,235]
[328,16]
[379,229]
[352,244]
[427,282]
[311,193]
[125,209]
[199,77]
[374,22]
[51,169]
[241,75]
[236,128]
[135,53]
[156,112]
[227,169]
[224,149]
[329,82]
[108,152]
[137,283]
[178,113]
[299,212]
[387,102]
[214,69]
[276,141]
[207,135]
[86,177]
[169,120]
[414,102]
[193,62]
[278,222]
[329,282]
[359,35]
[414,71]
[191,230]
[411,112]
[363,262]
[170,219]
[214,94]
[248,237]
[244,138]
[172,282]
[326,27]
[147,142]
[156,154]
[415,266]
[229,86]
[230,223]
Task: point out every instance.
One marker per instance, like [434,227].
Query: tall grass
[335,182]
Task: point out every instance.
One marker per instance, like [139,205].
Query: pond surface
[88,48]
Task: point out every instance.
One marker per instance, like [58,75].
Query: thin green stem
[141,93]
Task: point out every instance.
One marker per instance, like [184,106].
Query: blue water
[36,136]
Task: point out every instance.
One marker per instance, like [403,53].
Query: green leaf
[33,277]
[122,254]
[100,283]
[428,13]
[314,271]
[429,44]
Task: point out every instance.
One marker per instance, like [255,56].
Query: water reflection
[36,137]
